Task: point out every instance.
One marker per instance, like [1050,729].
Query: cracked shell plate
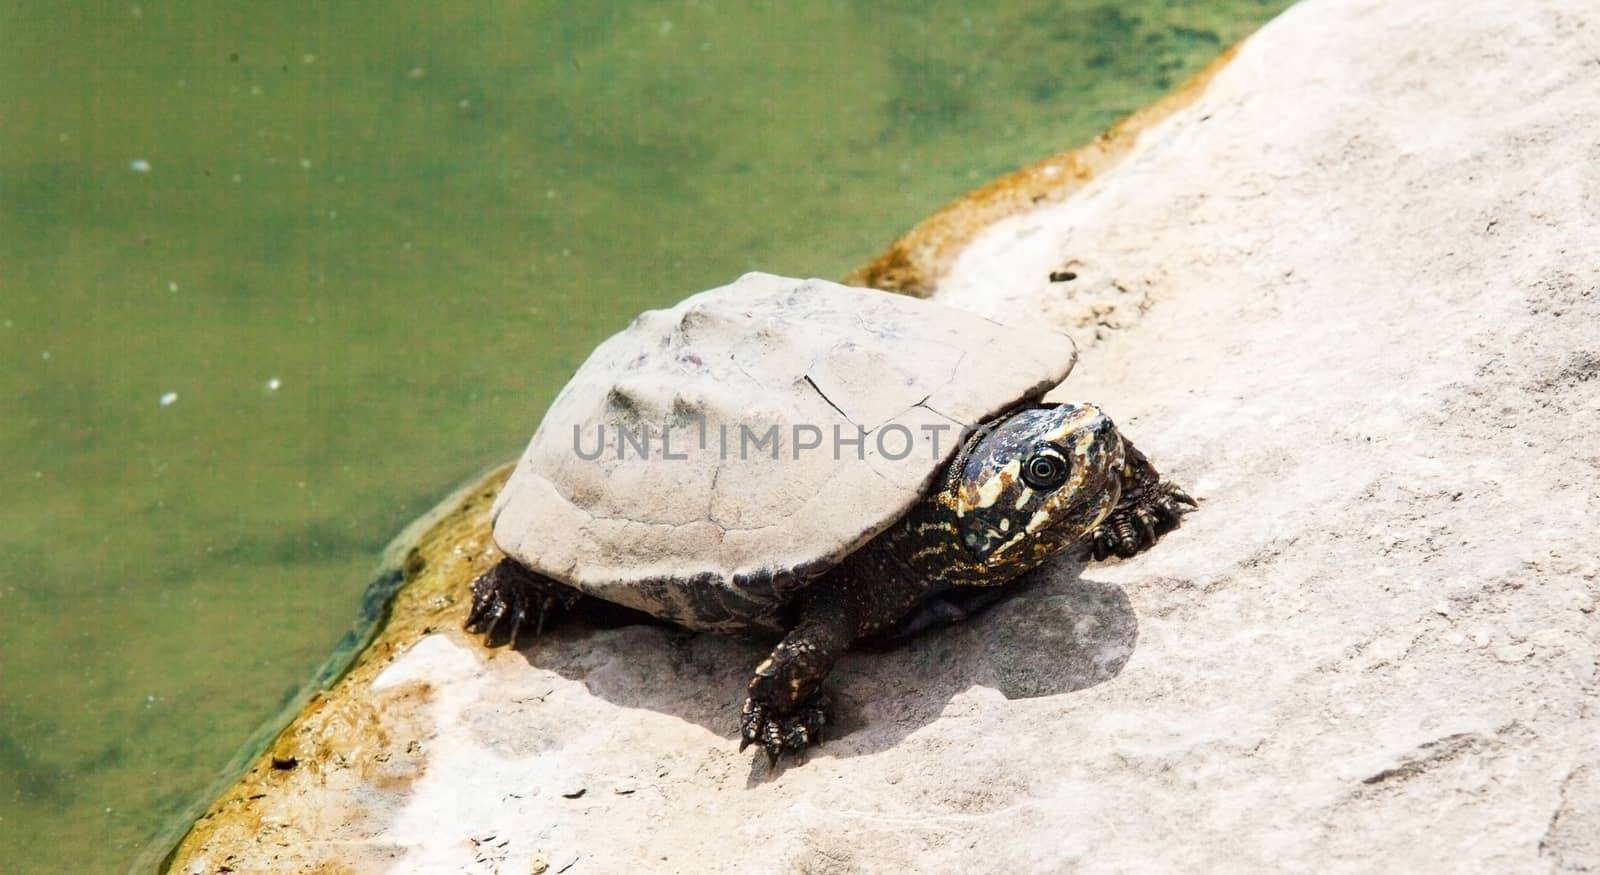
[676,472]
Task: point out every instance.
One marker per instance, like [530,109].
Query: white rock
[1351,295]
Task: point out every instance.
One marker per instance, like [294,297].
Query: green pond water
[276,276]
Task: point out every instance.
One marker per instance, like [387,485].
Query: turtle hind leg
[509,599]
[1149,508]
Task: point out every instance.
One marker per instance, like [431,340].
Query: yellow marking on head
[1061,431]
[1022,499]
[990,491]
[1006,546]
[1106,504]
[1005,524]
[1037,522]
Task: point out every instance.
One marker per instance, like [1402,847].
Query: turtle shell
[710,459]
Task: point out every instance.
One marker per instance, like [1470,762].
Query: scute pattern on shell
[718,538]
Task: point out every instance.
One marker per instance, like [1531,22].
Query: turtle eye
[1045,469]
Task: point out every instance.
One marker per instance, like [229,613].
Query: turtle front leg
[1149,508]
[786,709]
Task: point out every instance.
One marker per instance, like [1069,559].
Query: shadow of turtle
[1055,633]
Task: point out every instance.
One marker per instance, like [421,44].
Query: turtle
[809,462]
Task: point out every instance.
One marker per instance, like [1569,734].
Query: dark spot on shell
[694,317]
[622,400]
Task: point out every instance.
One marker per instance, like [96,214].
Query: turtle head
[1038,480]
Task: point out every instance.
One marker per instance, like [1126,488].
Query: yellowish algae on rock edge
[438,556]
[453,544]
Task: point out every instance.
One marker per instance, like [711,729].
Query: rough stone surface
[1349,297]
[708,460]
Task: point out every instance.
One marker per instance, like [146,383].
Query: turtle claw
[780,734]
[507,595]
[1136,525]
